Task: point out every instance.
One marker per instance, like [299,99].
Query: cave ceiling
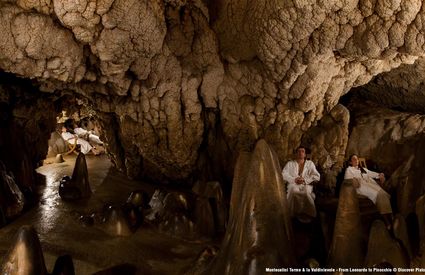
[178,78]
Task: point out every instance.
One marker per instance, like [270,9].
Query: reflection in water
[51,206]
[61,231]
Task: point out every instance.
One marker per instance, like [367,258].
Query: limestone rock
[174,219]
[157,205]
[138,198]
[115,222]
[204,217]
[11,198]
[80,176]
[401,234]
[420,211]
[155,68]
[401,88]
[78,186]
[346,249]
[27,120]
[203,260]
[210,200]
[56,145]
[59,158]
[64,266]
[382,248]
[25,256]
[257,207]
[327,142]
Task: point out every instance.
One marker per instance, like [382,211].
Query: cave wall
[171,74]
[27,119]
[401,88]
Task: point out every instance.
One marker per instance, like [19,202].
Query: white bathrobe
[300,196]
[368,186]
[84,144]
[92,138]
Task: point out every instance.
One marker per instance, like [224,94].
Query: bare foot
[95,151]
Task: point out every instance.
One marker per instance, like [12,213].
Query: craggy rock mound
[401,88]
[157,69]
[257,209]
[328,141]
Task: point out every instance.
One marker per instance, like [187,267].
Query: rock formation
[401,234]
[78,186]
[116,223]
[210,208]
[11,198]
[170,73]
[382,248]
[25,256]
[346,248]
[174,218]
[257,208]
[180,87]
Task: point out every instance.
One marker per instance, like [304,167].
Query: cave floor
[92,249]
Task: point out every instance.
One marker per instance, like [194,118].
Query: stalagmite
[383,248]
[78,185]
[210,208]
[64,266]
[59,158]
[115,222]
[204,217]
[346,250]
[138,198]
[25,257]
[420,212]
[175,219]
[258,233]
[401,233]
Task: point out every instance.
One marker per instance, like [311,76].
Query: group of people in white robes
[301,174]
[87,140]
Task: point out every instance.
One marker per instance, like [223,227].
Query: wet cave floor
[92,249]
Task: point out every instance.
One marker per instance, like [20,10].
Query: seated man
[300,174]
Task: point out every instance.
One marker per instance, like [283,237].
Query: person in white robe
[83,133]
[70,138]
[365,184]
[300,175]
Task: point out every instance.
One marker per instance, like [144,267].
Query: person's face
[300,153]
[354,161]
[63,129]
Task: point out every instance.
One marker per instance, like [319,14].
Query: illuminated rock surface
[346,248]
[257,207]
[383,248]
[25,257]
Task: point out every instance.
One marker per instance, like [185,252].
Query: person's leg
[95,139]
[85,146]
[302,205]
[384,206]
